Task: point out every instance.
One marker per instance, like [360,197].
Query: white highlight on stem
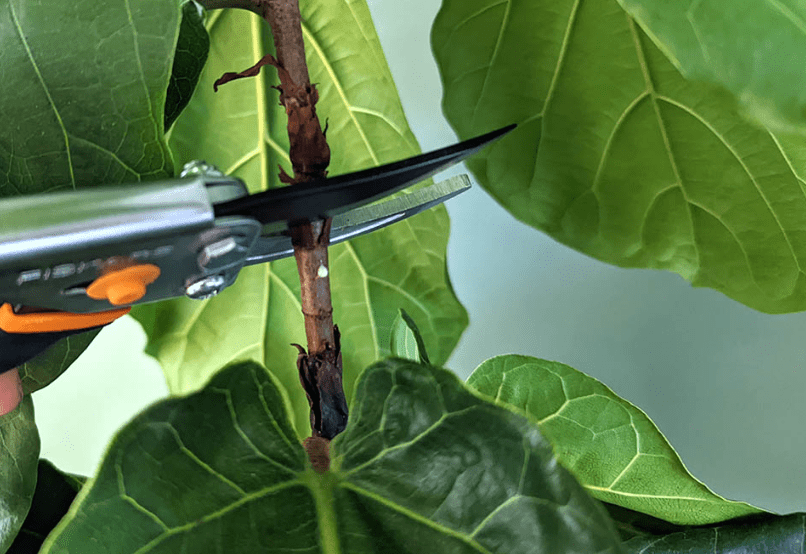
[322,271]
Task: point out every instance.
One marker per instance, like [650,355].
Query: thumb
[10,391]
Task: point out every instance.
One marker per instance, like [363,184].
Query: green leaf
[43,369]
[611,446]
[19,452]
[242,129]
[616,154]
[424,466]
[406,340]
[55,491]
[760,534]
[190,55]
[83,88]
[754,49]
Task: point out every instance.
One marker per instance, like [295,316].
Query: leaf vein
[741,163]
[52,103]
[414,516]
[339,89]
[504,21]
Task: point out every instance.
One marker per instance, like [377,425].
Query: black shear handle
[26,335]
[16,349]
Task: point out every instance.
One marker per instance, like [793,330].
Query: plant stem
[320,368]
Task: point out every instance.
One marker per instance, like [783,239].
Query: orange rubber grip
[49,322]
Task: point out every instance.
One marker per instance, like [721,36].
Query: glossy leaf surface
[84,99]
[242,129]
[424,466]
[754,49]
[406,340]
[610,445]
[83,95]
[55,491]
[19,452]
[616,154]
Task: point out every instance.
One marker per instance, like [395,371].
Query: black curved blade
[325,198]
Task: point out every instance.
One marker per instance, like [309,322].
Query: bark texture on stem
[320,368]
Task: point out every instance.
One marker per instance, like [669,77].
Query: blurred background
[724,383]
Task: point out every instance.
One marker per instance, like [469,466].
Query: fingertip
[10,391]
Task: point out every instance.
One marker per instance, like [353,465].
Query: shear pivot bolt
[200,167]
[206,287]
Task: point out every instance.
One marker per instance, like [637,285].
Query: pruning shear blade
[365,219]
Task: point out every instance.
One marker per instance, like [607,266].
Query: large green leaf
[83,91]
[761,534]
[242,129]
[83,94]
[19,452]
[754,49]
[55,491]
[424,466]
[43,369]
[617,155]
[192,46]
[611,446]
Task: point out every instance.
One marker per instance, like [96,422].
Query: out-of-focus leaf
[616,154]
[406,340]
[19,452]
[42,370]
[83,95]
[610,445]
[55,491]
[192,46]
[424,466]
[754,49]
[242,129]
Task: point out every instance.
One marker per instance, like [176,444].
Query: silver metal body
[53,246]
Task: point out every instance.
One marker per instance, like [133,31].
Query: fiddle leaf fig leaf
[19,452]
[84,88]
[758,56]
[55,491]
[84,91]
[406,340]
[242,129]
[759,534]
[192,47]
[424,466]
[619,156]
[610,445]
[43,369]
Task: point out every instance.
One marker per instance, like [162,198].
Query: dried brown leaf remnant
[309,152]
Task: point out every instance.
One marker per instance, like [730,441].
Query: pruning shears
[74,261]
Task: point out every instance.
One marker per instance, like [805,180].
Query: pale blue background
[724,383]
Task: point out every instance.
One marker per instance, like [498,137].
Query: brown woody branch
[320,368]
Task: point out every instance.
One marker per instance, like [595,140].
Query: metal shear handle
[94,253]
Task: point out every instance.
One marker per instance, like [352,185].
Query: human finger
[10,391]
